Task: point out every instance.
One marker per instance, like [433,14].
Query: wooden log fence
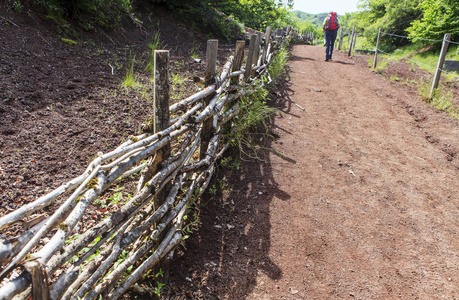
[56,257]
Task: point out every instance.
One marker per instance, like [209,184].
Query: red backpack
[332,24]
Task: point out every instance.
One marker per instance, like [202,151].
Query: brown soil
[61,104]
[362,203]
[358,200]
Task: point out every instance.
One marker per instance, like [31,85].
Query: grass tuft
[130,81]
[69,42]
[153,44]
[441,99]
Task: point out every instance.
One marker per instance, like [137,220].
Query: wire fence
[441,61]
[410,60]
[406,37]
[61,257]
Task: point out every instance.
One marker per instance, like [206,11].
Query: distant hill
[316,19]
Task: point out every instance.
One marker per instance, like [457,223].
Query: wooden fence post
[280,32]
[441,61]
[265,47]
[355,41]
[160,120]
[256,54]
[238,59]
[248,66]
[340,39]
[375,62]
[161,90]
[161,106]
[234,81]
[209,79]
[351,42]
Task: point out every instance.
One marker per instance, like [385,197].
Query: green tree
[393,16]
[256,14]
[438,17]
[309,27]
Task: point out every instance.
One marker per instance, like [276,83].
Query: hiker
[330,27]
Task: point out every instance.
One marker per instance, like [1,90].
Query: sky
[325,6]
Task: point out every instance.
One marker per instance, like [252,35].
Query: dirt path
[363,205]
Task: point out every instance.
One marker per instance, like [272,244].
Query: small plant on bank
[153,44]
[191,221]
[229,162]
[178,87]
[424,90]
[69,42]
[17,6]
[277,69]
[251,125]
[194,53]
[130,81]
[380,66]
[441,99]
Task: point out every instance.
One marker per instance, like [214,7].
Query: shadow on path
[223,258]
[300,58]
[341,62]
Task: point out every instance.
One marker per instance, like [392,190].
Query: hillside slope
[61,104]
[316,19]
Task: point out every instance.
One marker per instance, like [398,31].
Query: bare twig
[5,19]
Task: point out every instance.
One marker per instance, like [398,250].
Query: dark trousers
[330,37]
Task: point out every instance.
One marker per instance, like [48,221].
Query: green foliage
[155,42]
[257,14]
[251,123]
[114,200]
[120,260]
[453,52]
[393,16]
[16,5]
[441,99]
[382,64]
[178,86]
[308,22]
[157,290]
[221,19]
[254,115]
[315,19]
[277,68]
[191,218]
[205,16]
[88,13]
[439,17]
[216,25]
